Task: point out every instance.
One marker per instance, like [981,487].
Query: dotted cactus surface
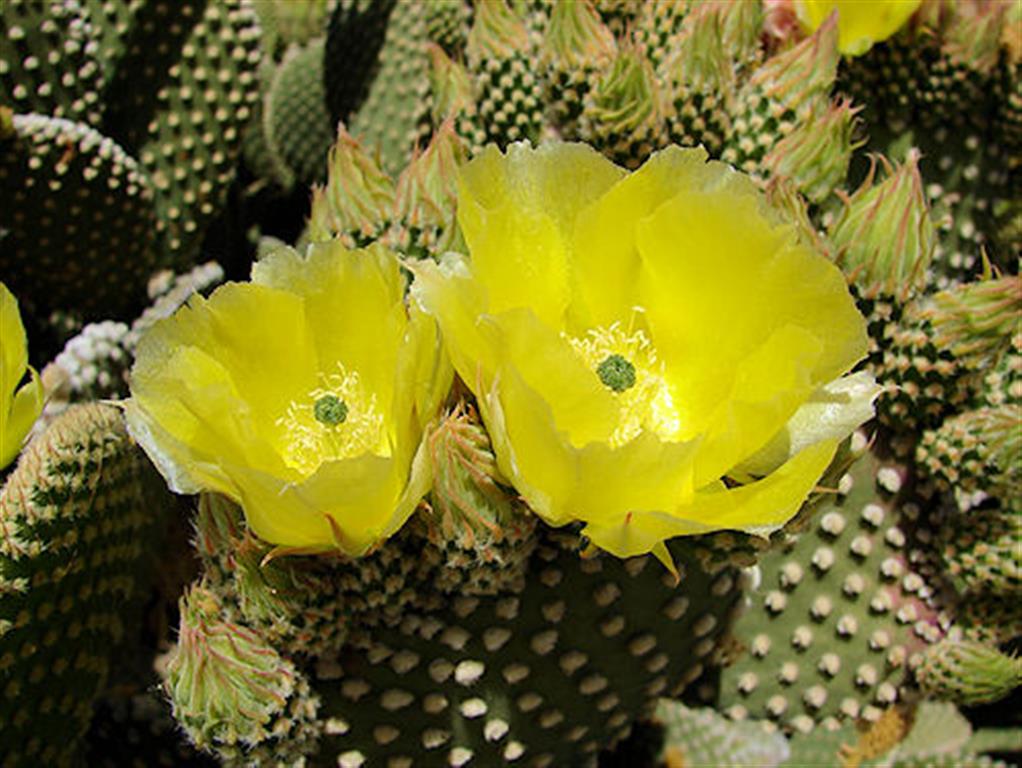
[296,124]
[838,614]
[75,527]
[546,677]
[50,59]
[202,104]
[387,119]
[80,211]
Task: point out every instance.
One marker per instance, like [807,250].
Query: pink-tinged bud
[884,236]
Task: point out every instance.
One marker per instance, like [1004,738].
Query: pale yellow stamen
[646,405]
[309,441]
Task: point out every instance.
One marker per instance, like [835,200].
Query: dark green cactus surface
[78,529]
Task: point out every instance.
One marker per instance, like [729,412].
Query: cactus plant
[79,530]
[839,615]
[95,156]
[477,632]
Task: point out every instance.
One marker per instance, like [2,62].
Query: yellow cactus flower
[302,395]
[641,344]
[19,407]
[860,23]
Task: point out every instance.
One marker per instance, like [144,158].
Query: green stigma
[330,410]
[617,373]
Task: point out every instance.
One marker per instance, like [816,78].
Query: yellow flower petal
[13,344]
[18,411]
[583,409]
[745,317]
[606,262]
[760,507]
[529,449]
[697,325]
[363,488]
[861,23]
[302,396]
[516,213]
[24,410]
[341,290]
[450,294]
[832,412]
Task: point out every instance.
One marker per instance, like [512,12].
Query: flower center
[626,363]
[330,410]
[616,372]
[336,420]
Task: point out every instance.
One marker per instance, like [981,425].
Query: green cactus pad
[979,450]
[549,676]
[704,737]
[355,34]
[576,47]
[815,156]
[923,380]
[50,59]
[699,77]
[657,27]
[838,616]
[981,550]
[508,91]
[296,125]
[387,121]
[623,115]
[76,529]
[479,538]
[1002,386]
[358,200]
[80,211]
[304,604]
[779,95]
[193,140]
[447,24]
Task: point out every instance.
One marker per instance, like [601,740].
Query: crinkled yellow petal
[530,451]
[257,335]
[760,507]
[482,343]
[186,470]
[344,290]
[739,309]
[645,473]
[350,504]
[860,23]
[583,409]
[17,411]
[13,347]
[517,213]
[606,261]
[832,412]
[24,410]
[358,493]
[426,368]
[564,482]
[449,292]
[196,403]
[768,387]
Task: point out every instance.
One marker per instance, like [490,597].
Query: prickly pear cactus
[839,615]
[478,635]
[126,127]
[78,529]
[89,198]
[532,653]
